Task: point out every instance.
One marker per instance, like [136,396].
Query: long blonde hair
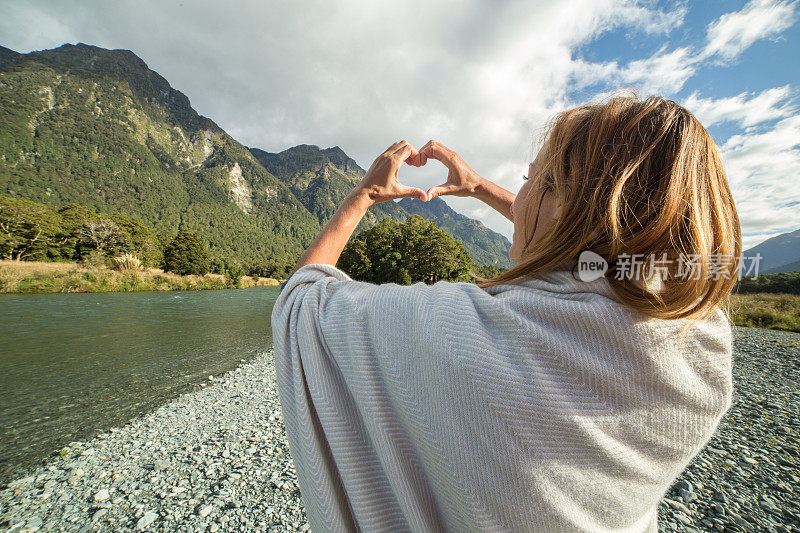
[639,177]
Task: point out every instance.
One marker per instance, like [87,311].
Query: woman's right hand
[461,179]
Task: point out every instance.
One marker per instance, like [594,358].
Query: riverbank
[214,459]
[766,310]
[771,311]
[45,277]
[217,459]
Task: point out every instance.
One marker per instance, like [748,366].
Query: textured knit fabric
[539,405]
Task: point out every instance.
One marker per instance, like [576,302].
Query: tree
[416,250]
[186,254]
[29,230]
[140,238]
[103,236]
[233,276]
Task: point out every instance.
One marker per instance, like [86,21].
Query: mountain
[82,124]
[778,254]
[320,179]
[486,247]
[7,55]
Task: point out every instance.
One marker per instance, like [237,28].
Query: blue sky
[724,88]
[767,63]
[480,76]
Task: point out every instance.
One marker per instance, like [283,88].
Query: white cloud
[745,109]
[666,72]
[663,72]
[762,169]
[652,21]
[732,33]
[481,77]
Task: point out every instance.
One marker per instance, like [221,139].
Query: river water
[73,365]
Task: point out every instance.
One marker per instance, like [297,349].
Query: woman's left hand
[380,183]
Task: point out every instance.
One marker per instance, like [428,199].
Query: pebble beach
[217,459]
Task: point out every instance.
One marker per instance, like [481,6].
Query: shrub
[94,259]
[127,263]
[186,254]
[233,276]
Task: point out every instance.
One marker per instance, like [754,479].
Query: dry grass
[25,268]
[42,277]
[128,263]
[764,310]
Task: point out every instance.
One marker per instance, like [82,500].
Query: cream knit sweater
[543,405]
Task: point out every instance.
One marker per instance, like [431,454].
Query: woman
[536,401]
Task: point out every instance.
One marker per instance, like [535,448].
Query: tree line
[409,252]
[30,231]
[781,283]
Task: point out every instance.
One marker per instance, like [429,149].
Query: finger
[434,150]
[393,148]
[404,151]
[413,159]
[440,190]
[404,191]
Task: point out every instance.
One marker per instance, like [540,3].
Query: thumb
[412,192]
[439,190]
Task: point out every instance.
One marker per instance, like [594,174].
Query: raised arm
[462,180]
[380,184]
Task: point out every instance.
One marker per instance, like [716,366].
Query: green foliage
[487,271]
[233,276]
[784,282]
[34,231]
[484,245]
[84,125]
[29,230]
[271,269]
[186,254]
[404,253]
[139,239]
[765,310]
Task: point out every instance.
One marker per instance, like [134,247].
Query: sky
[482,77]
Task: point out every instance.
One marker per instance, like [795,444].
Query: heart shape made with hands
[460,177]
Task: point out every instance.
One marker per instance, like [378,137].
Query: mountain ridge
[779,254]
[321,178]
[83,124]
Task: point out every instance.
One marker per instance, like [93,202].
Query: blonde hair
[639,177]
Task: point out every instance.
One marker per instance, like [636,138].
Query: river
[72,365]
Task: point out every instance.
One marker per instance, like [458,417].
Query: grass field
[762,310]
[34,276]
